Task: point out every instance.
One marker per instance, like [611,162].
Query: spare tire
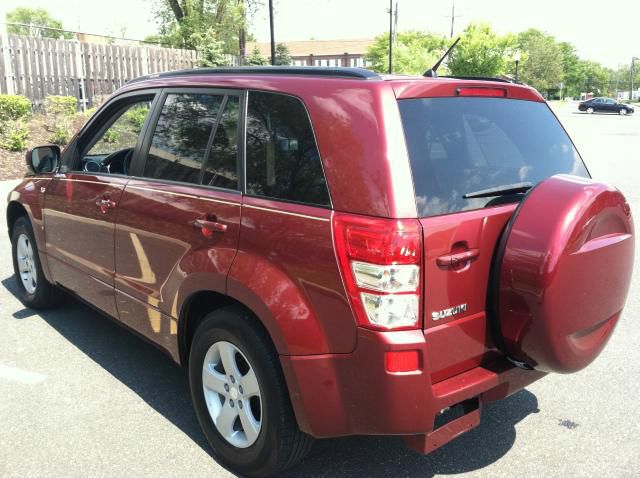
[562,272]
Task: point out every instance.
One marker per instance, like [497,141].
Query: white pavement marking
[17,375]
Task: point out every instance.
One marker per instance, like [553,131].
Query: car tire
[230,336]
[34,290]
[622,112]
[590,110]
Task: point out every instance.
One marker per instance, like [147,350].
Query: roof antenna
[431,72]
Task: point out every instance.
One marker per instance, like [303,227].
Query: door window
[111,149]
[196,140]
[221,166]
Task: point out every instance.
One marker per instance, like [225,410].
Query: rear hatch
[458,145]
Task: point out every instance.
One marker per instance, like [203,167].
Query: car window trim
[138,173]
[172,182]
[291,201]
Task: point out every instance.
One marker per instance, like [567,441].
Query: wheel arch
[195,307]
[15,210]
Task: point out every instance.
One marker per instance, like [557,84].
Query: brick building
[320,52]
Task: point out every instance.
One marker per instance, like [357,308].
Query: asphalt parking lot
[80,396]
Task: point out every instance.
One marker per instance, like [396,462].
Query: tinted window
[221,167]
[184,140]
[461,145]
[282,157]
[111,151]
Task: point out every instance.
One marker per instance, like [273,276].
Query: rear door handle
[459,257]
[105,203]
[209,227]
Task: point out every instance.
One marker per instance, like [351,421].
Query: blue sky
[610,38]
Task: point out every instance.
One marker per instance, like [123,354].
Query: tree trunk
[177,11]
[242,33]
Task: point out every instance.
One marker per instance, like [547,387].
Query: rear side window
[462,145]
[282,158]
[196,140]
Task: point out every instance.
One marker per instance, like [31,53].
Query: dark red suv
[331,252]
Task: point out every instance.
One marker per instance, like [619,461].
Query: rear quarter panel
[286,272]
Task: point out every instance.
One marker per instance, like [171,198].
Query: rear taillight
[380,263]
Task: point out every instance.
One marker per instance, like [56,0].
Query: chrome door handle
[209,227]
[104,204]
[448,260]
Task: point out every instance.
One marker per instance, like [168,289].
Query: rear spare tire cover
[563,272]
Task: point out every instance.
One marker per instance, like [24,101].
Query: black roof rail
[329,72]
[483,78]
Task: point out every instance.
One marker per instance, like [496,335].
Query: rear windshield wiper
[500,191]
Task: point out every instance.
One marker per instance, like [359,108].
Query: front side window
[196,140]
[282,158]
[111,150]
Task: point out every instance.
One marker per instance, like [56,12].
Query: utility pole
[390,36]
[273,40]
[395,24]
[453,17]
[632,74]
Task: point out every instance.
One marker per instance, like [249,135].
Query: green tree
[542,67]
[183,22]
[482,52]
[210,50]
[414,52]
[256,58]
[283,56]
[596,78]
[573,75]
[35,17]
[621,78]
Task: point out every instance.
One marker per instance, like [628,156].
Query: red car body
[278,259]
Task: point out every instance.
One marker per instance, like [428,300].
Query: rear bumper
[353,394]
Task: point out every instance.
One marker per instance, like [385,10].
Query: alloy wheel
[26,264]
[232,394]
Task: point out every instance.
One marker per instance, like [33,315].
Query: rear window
[462,145]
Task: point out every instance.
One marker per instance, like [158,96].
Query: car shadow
[387,456]
[162,384]
[146,370]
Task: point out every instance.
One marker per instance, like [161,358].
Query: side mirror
[43,159]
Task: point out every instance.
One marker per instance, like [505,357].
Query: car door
[178,219]
[82,198]
[611,105]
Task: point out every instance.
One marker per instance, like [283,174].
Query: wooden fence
[39,67]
